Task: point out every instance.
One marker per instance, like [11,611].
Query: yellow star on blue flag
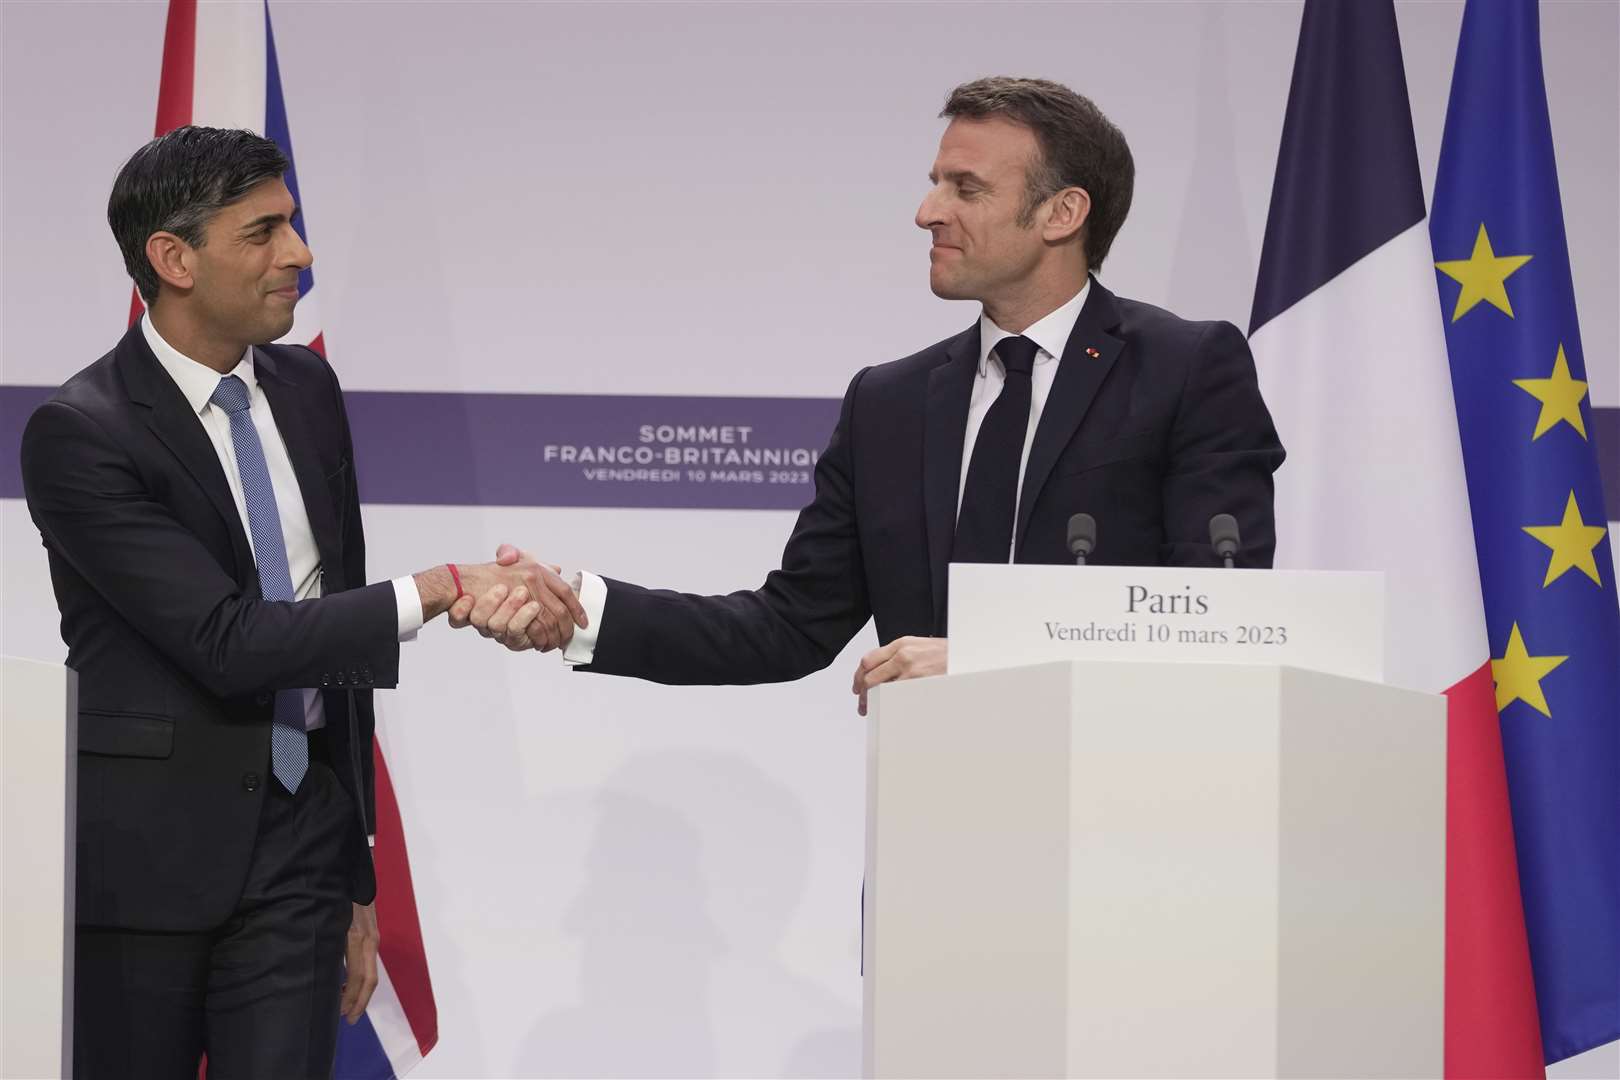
[1518,675]
[1573,543]
[1560,395]
[1483,276]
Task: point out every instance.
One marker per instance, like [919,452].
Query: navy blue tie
[984,522]
[289,744]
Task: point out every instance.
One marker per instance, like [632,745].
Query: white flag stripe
[1357,379]
[306,325]
[231,64]
[393,1029]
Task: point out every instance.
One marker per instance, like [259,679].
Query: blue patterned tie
[289,745]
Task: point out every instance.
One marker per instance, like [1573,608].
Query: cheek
[250,281]
[972,233]
[1015,245]
[242,291]
[993,244]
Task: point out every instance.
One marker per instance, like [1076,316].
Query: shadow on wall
[697,863]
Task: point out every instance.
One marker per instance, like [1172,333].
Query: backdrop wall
[703,200]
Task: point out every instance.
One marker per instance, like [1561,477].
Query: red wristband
[455,576]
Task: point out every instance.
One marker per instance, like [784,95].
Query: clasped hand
[518,601]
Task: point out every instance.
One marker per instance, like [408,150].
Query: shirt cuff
[408,602]
[593,598]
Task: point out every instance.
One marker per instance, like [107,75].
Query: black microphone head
[1082,534]
[1223,533]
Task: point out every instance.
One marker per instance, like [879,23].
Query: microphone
[1223,533]
[1082,537]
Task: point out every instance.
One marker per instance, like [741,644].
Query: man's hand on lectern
[902,658]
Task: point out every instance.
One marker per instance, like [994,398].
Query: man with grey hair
[1061,397]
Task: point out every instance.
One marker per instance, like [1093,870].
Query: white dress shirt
[1050,334]
[197,383]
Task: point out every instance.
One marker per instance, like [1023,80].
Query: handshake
[516,600]
[525,604]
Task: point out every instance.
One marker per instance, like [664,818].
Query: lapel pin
[1093,353]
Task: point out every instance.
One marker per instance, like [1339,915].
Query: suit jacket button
[250,781]
[261,699]
[326,680]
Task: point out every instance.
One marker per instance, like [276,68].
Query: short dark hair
[177,183]
[1080,147]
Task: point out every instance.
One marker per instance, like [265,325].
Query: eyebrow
[958,177]
[270,219]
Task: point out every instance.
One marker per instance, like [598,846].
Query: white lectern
[39,734]
[1120,868]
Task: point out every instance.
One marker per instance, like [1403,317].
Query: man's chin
[274,331]
[947,289]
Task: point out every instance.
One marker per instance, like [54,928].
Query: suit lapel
[1079,376]
[950,390]
[282,394]
[172,420]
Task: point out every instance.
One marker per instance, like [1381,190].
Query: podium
[1143,868]
[38,751]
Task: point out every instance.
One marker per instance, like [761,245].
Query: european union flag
[1539,522]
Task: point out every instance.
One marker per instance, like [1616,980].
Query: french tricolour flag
[219,70]
[1347,335]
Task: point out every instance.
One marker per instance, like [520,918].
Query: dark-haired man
[1061,397]
[196,495]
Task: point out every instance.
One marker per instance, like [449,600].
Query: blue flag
[1545,562]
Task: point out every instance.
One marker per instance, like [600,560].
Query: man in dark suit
[196,494]
[1061,398]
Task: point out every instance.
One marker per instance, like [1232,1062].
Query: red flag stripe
[179,67]
[397,922]
[136,308]
[1492,1029]
[176,85]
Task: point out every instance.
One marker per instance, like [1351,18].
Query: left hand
[360,963]
[902,658]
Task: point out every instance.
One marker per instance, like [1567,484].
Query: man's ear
[1066,214]
[171,258]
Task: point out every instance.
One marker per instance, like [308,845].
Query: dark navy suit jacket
[1159,431]
[177,653]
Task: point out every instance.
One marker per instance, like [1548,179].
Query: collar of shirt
[196,380]
[1051,332]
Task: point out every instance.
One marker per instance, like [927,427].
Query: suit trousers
[258,995]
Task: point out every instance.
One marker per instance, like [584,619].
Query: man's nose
[297,252]
[928,213]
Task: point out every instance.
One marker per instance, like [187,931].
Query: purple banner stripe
[510,449]
[588,450]
[17,403]
[1606,440]
[730,453]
